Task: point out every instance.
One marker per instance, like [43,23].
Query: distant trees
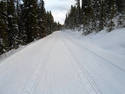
[95,15]
[72,18]
[22,23]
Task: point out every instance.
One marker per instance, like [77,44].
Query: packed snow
[67,62]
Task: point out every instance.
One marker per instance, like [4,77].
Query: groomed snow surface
[67,62]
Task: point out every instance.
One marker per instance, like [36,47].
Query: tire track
[31,85]
[73,65]
[46,78]
[86,73]
[94,53]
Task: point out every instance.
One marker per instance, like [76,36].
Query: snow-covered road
[62,63]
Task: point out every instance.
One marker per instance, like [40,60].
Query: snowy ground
[67,63]
[11,52]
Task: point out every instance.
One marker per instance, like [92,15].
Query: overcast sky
[59,8]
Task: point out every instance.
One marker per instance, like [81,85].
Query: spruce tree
[42,19]
[112,14]
[12,24]
[30,16]
[3,27]
[78,12]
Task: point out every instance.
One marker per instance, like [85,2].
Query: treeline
[22,22]
[96,15]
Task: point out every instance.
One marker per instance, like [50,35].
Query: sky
[59,8]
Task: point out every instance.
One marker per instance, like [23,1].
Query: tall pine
[30,16]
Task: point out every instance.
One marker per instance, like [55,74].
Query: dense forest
[96,15]
[22,22]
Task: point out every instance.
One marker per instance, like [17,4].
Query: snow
[10,16]
[67,63]
[11,52]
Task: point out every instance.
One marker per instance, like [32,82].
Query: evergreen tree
[79,12]
[42,19]
[3,27]
[72,18]
[21,31]
[30,16]
[12,24]
[50,21]
[112,13]
[88,15]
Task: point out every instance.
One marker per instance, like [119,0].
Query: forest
[22,22]
[96,15]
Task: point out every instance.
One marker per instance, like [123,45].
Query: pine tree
[12,24]
[3,27]
[50,21]
[72,18]
[20,25]
[79,12]
[30,16]
[88,15]
[112,14]
[41,19]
